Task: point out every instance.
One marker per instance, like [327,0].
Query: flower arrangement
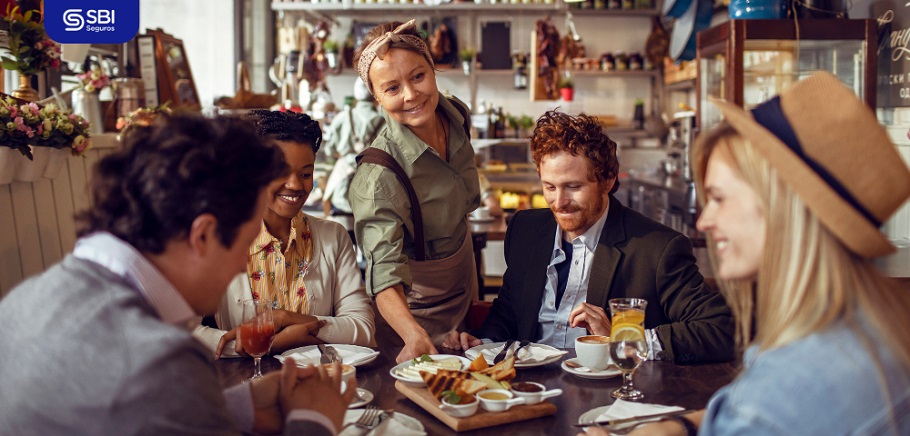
[25,124]
[94,80]
[30,49]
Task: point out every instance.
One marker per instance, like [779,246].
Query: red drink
[256,338]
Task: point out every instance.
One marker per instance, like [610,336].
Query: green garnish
[423,358]
[450,397]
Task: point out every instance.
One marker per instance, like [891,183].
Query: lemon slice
[628,332]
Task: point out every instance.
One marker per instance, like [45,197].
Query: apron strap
[379,157]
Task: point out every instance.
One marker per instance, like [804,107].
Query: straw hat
[829,148]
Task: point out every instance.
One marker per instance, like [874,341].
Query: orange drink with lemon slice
[628,347]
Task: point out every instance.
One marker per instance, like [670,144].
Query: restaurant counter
[689,386]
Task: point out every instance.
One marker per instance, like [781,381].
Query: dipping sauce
[494,395]
[526,387]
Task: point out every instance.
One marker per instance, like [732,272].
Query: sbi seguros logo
[91,21]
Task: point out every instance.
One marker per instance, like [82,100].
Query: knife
[323,357]
[502,354]
[612,422]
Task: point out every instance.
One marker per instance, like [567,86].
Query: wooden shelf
[617,74]
[354,8]
[558,7]
[616,12]
[682,85]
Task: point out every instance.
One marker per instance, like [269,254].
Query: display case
[749,61]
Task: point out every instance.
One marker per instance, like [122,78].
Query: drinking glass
[628,346]
[257,330]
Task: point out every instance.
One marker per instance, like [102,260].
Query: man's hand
[460,341]
[416,344]
[591,317]
[267,415]
[320,392]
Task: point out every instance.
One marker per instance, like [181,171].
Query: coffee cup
[593,351]
[348,372]
[481,213]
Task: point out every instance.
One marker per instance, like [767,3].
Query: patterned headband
[382,44]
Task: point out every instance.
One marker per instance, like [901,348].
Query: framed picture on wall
[175,79]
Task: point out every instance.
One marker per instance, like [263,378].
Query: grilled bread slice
[504,370]
[437,383]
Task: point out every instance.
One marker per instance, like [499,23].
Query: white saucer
[590,373]
[362,398]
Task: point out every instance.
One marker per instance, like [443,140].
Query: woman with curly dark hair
[564,264]
[305,265]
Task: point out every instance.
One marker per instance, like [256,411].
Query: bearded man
[564,264]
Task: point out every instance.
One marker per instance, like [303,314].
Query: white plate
[418,382]
[481,219]
[311,353]
[591,373]
[472,353]
[362,398]
[403,425]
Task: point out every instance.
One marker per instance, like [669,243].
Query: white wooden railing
[36,218]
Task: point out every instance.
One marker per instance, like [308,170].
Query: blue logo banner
[91,21]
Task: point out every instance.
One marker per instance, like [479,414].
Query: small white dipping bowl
[498,405]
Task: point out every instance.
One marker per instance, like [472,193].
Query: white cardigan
[334,287]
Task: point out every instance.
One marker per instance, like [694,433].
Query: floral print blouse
[278,276]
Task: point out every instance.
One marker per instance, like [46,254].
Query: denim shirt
[823,384]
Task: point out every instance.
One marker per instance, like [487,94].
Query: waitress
[410,221]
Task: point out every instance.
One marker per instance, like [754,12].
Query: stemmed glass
[628,346]
[257,330]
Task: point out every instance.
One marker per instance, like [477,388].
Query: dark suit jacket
[635,257]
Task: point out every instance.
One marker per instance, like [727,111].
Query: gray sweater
[83,352]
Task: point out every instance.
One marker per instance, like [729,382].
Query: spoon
[580,368]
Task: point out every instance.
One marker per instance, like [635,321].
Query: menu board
[893,81]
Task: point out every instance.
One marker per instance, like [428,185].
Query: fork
[368,419]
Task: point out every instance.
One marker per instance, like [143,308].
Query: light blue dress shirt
[554,322]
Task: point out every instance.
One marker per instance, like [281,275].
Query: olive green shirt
[447,191]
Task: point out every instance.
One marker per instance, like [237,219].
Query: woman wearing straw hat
[792,216]
[411,194]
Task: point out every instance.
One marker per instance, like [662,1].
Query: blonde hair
[808,278]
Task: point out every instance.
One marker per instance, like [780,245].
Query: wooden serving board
[482,418]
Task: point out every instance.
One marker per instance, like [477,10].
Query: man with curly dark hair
[101,343]
[565,263]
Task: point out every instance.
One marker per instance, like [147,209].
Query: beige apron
[440,295]
[442,289]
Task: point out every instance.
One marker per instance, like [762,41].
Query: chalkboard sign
[495,46]
[893,81]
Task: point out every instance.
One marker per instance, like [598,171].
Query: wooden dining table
[666,383]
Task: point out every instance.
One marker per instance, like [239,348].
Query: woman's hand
[460,341]
[415,345]
[591,317]
[284,318]
[231,335]
[297,335]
